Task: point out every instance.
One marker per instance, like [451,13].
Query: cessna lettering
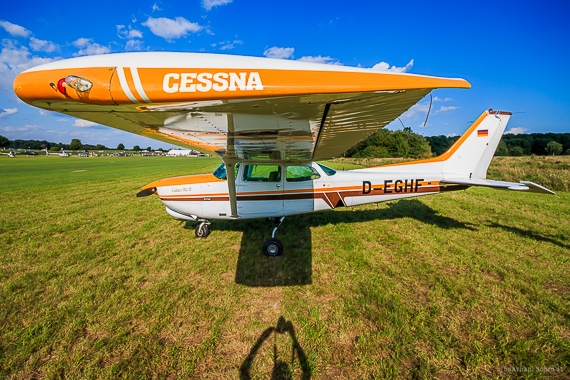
[397,186]
[204,82]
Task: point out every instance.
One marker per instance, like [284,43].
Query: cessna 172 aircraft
[270,121]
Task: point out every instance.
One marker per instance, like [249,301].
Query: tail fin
[471,155]
[467,161]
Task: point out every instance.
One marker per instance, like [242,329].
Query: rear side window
[328,171]
[301,173]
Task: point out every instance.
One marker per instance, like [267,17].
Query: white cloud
[15,30]
[14,60]
[8,111]
[209,4]
[133,45]
[385,66]
[86,46]
[279,52]
[43,45]
[415,111]
[155,7]
[320,59]
[169,29]
[452,135]
[83,123]
[436,99]
[129,33]
[25,128]
[228,45]
[516,131]
[444,109]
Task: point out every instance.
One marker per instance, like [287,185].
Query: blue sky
[514,53]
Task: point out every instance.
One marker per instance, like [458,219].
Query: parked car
[31,153]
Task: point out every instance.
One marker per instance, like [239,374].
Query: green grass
[96,283]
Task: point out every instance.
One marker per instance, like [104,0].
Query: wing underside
[293,128]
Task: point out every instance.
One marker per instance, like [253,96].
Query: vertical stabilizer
[471,155]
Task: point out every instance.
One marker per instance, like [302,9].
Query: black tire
[202,231]
[272,248]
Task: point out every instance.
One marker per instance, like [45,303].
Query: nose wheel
[203,230]
[273,247]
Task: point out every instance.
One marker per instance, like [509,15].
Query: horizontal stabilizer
[536,188]
[501,185]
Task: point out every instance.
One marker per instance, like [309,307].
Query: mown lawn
[96,283]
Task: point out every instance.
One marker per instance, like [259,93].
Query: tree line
[539,144]
[382,144]
[407,144]
[75,144]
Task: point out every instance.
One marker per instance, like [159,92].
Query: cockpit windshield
[220,171]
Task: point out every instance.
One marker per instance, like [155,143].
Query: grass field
[96,283]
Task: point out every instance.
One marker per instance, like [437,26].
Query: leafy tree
[440,144]
[387,143]
[136,148]
[4,142]
[516,151]
[149,149]
[75,144]
[554,148]
[502,149]
[54,149]
[100,147]
[120,146]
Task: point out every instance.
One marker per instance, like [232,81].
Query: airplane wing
[242,108]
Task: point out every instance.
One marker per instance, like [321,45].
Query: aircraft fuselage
[272,190]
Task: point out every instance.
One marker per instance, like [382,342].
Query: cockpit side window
[262,173]
[301,173]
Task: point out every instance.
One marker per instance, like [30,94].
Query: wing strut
[230,169]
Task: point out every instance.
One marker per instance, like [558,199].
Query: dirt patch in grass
[557,288]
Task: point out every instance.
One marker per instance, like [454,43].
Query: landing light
[78,83]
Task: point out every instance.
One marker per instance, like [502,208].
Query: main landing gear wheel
[202,230]
[272,248]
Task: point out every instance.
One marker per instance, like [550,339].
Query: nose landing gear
[203,229]
[273,247]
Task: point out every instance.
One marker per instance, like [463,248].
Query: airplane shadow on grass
[294,267]
[529,234]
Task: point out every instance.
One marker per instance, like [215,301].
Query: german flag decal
[483,133]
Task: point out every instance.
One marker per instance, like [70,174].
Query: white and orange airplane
[270,121]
